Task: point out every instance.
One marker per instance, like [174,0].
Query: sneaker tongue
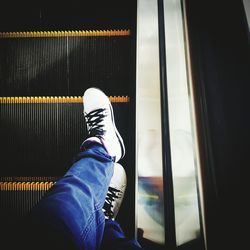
[90,141]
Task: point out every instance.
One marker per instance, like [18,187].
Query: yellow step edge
[69,33]
[55,99]
[29,178]
[25,186]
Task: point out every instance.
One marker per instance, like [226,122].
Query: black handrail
[170,234]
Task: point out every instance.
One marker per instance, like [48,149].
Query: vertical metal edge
[195,122]
[246,6]
[133,99]
[136,127]
[170,234]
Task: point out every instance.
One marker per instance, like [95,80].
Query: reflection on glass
[181,136]
[150,213]
[150,203]
[150,200]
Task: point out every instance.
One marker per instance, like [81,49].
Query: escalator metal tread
[43,75]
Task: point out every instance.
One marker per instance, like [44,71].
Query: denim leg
[74,204]
[115,239]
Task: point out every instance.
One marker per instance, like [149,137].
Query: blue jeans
[71,212]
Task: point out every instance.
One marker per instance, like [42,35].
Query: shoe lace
[93,121]
[110,198]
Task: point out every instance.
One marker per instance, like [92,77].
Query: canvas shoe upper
[115,193]
[100,122]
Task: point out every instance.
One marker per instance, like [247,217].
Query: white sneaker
[100,122]
[115,193]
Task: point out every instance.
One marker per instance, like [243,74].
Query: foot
[115,193]
[100,122]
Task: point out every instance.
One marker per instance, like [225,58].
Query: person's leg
[73,207]
[72,210]
[114,237]
[73,214]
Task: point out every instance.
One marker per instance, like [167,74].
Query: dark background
[221,73]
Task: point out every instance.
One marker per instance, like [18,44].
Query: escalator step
[53,99]
[41,135]
[18,198]
[66,33]
[65,62]
[42,77]
[16,179]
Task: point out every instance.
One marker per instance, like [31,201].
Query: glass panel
[150,213]
[246,4]
[181,133]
